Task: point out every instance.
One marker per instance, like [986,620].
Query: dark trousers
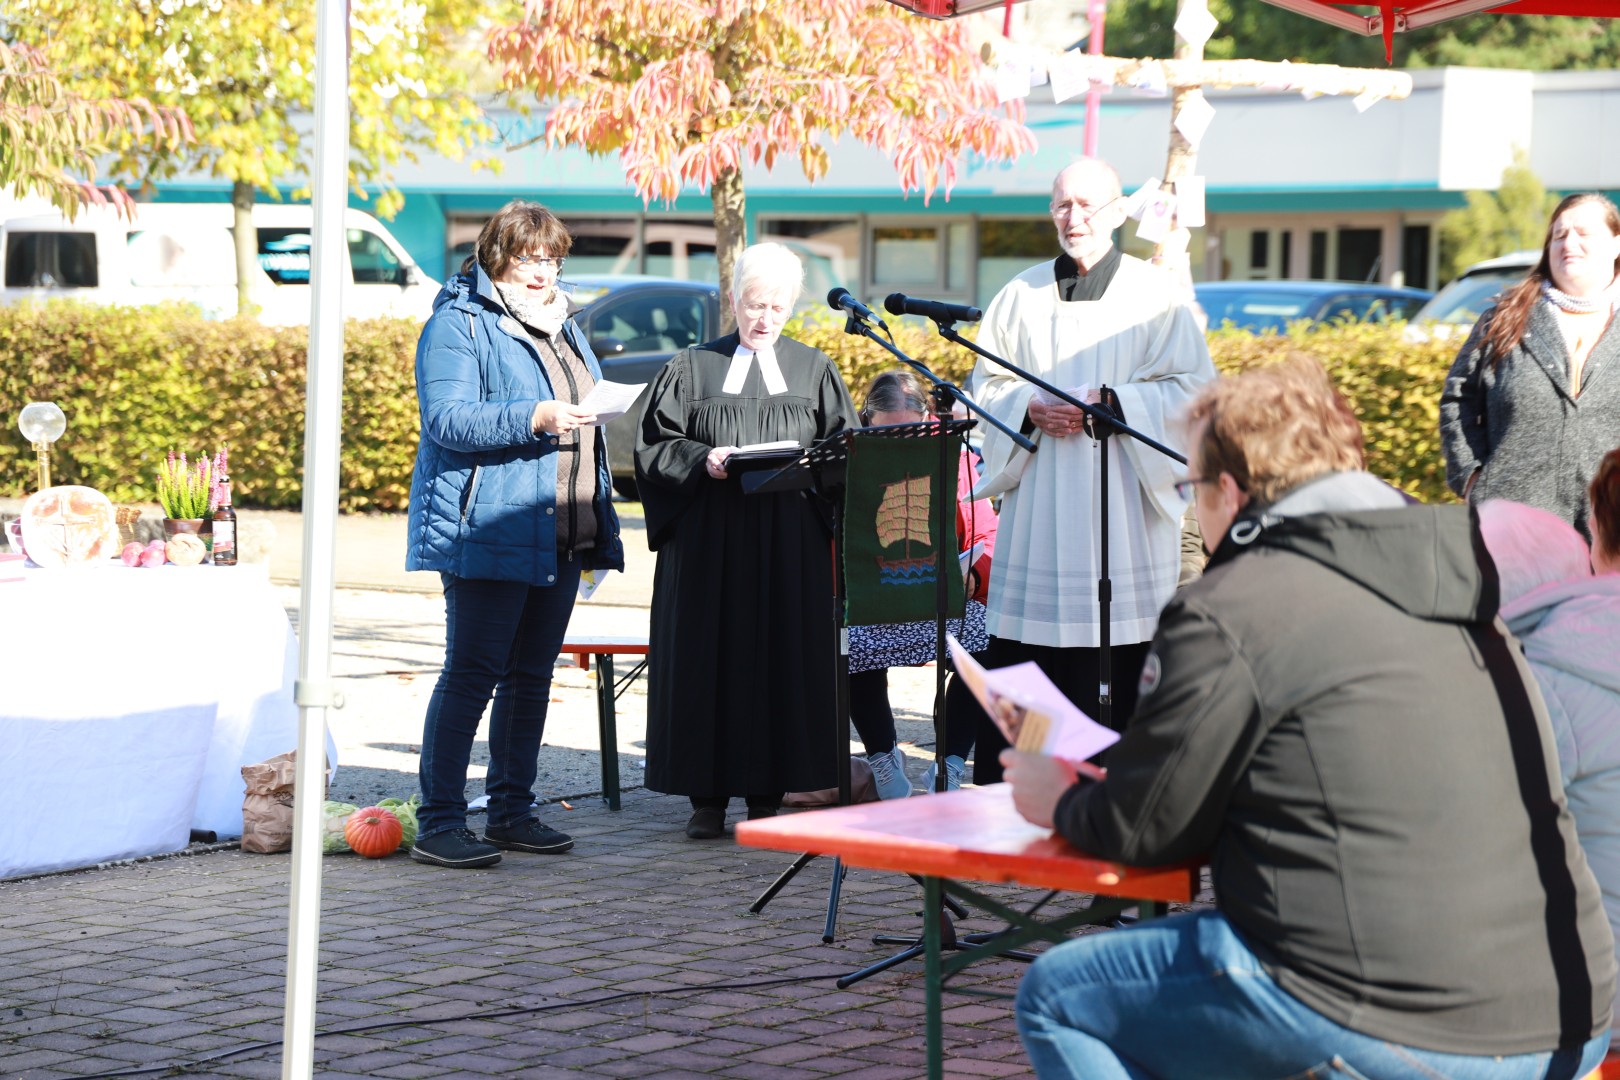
[501,640]
[873,718]
[1074,671]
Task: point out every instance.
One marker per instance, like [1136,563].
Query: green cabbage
[334,816]
[406,812]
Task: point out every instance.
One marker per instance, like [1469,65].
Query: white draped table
[130,699]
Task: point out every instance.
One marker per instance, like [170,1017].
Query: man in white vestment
[1095,317]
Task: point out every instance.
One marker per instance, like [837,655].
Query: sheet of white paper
[780,444]
[590,581]
[1140,197]
[1190,201]
[1193,118]
[1150,79]
[1073,735]
[1366,100]
[610,400]
[1073,391]
[1012,81]
[1280,78]
[1156,218]
[1068,75]
[1008,694]
[1195,24]
[1173,248]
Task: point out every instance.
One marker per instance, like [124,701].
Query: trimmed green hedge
[137,382]
[1394,385]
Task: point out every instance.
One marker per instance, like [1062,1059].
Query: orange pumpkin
[373,832]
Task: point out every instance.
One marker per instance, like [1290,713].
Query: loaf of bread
[69,526]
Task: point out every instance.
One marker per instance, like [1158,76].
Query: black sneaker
[529,835]
[458,849]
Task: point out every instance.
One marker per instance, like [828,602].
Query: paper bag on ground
[267,808]
[1032,713]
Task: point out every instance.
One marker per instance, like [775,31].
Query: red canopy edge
[1419,13]
[1394,16]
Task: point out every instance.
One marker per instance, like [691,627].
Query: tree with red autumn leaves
[688,91]
[50,136]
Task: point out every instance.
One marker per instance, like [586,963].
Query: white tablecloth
[130,699]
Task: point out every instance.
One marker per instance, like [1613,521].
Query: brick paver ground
[632,956]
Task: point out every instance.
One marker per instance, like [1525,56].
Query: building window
[830,249]
[1319,254]
[906,255]
[1259,252]
[1415,256]
[1360,254]
[1008,247]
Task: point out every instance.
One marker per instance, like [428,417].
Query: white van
[184,251]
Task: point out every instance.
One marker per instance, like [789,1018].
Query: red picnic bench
[584,646]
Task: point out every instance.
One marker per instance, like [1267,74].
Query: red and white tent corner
[1397,16]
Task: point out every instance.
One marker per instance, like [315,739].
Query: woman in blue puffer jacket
[509,503]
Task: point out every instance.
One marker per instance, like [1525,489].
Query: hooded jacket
[1570,630]
[1333,714]
[484,491]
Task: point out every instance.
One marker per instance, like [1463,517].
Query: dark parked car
[634,325]
[1258,306]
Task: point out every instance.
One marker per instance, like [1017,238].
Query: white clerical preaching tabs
[1031,712]
[609,400]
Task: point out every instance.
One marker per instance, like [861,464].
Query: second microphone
[938,310]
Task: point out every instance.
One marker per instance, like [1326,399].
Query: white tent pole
[323,438]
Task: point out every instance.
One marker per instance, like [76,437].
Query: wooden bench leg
[607,729]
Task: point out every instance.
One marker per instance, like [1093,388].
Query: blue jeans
[1184,997]
[501,640]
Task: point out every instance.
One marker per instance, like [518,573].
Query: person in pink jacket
[899,397]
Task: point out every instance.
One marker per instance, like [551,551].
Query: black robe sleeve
[669,465]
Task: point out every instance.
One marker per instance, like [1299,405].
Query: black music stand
[823,470]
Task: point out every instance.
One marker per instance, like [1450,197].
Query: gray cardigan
[1517,420]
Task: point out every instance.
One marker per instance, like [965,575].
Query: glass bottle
[224,523]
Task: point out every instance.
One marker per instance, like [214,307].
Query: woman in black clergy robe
[740,670]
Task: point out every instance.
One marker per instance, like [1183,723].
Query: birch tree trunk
[731,235]
[247,248]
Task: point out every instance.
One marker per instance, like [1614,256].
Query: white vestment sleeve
[1004,395]
[1176,365]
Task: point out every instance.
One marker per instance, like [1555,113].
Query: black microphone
[938,310]
[841,300]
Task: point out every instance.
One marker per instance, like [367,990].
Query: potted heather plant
[186,492]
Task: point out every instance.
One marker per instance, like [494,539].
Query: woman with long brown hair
[1533,399]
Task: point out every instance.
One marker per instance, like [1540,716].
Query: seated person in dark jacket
[1333,714]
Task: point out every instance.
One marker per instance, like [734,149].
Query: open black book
[763,456]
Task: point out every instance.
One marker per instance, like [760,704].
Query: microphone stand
[944,393]
[1103,424]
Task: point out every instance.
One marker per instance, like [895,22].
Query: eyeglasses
[1185,489]
[1085,211]
[539,262]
